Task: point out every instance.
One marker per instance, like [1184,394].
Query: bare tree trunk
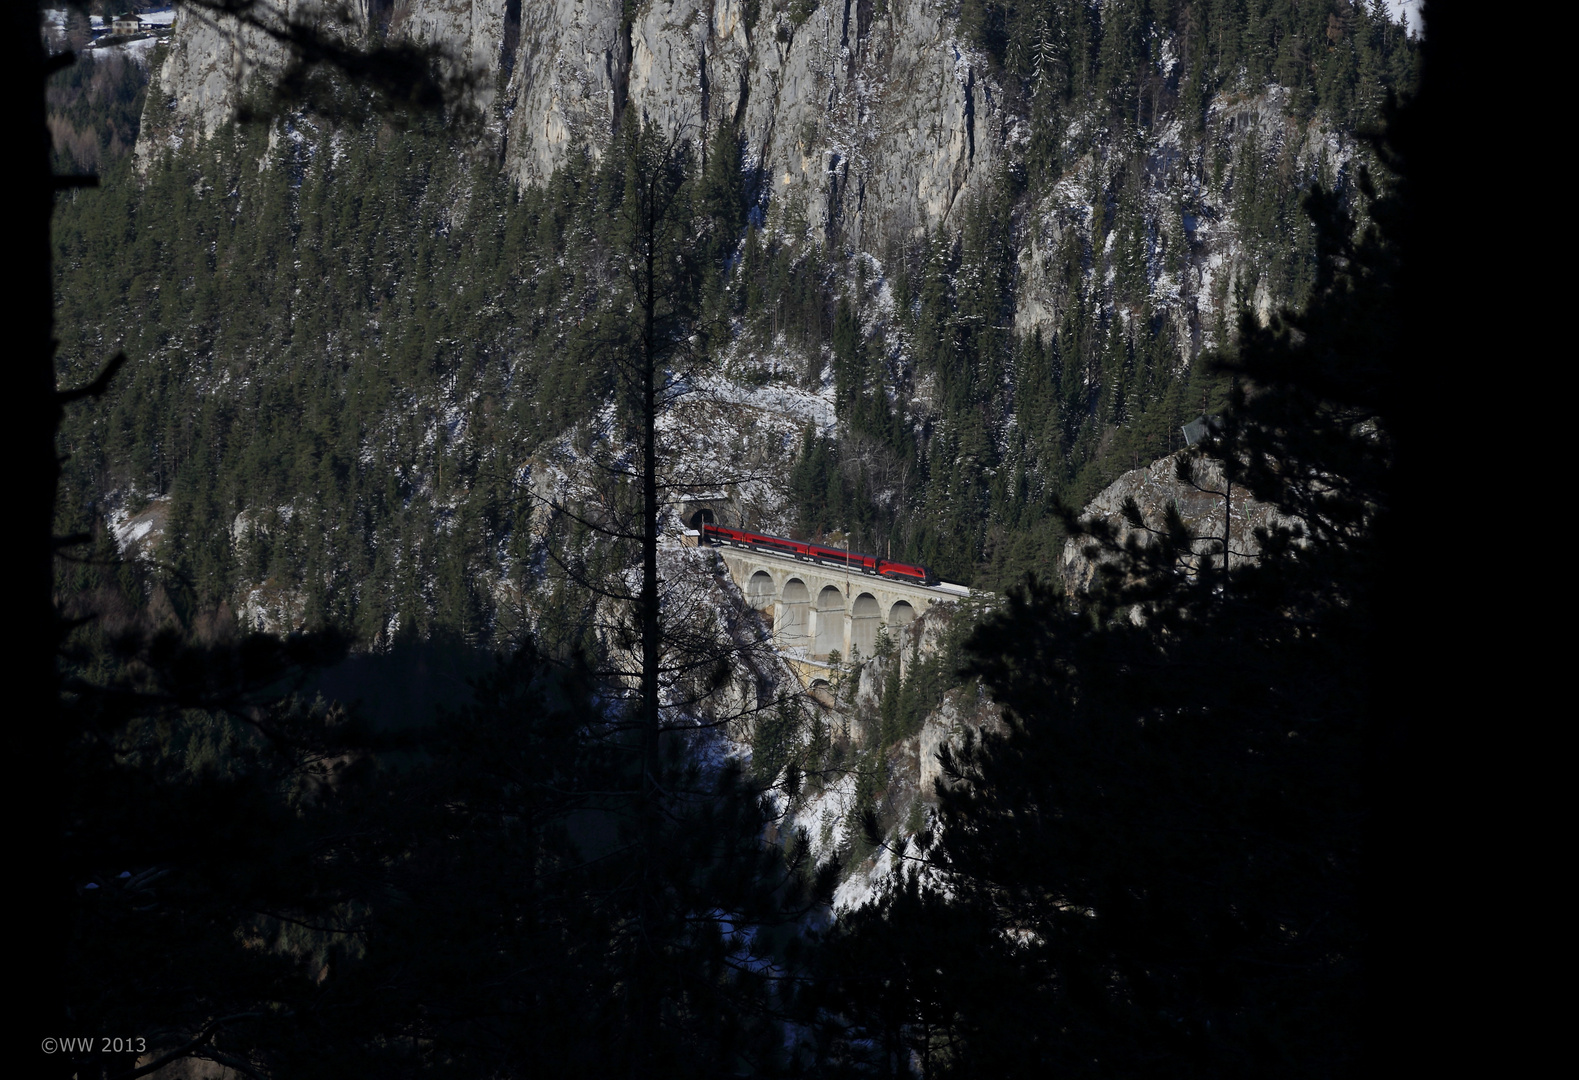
[646,984]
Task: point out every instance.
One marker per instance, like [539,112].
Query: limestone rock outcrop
[213,59]
[961,711]
[864,124]
[1204,506]
[869,129]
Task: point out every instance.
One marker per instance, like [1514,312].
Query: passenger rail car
[827,556]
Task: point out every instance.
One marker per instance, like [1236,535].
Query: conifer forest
[691,538]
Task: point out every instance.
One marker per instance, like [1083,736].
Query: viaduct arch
[817,608]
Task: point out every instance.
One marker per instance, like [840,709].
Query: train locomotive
[827,556]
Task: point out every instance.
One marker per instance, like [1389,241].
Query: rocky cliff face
[1201,260]
[863,123]
[1206,506]
[873,126]
[206,64]
[214,59]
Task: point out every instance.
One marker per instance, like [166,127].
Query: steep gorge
[1040,217]
[928,274]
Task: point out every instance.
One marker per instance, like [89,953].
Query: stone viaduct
[816,608]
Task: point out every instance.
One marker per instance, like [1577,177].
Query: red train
[836,557]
